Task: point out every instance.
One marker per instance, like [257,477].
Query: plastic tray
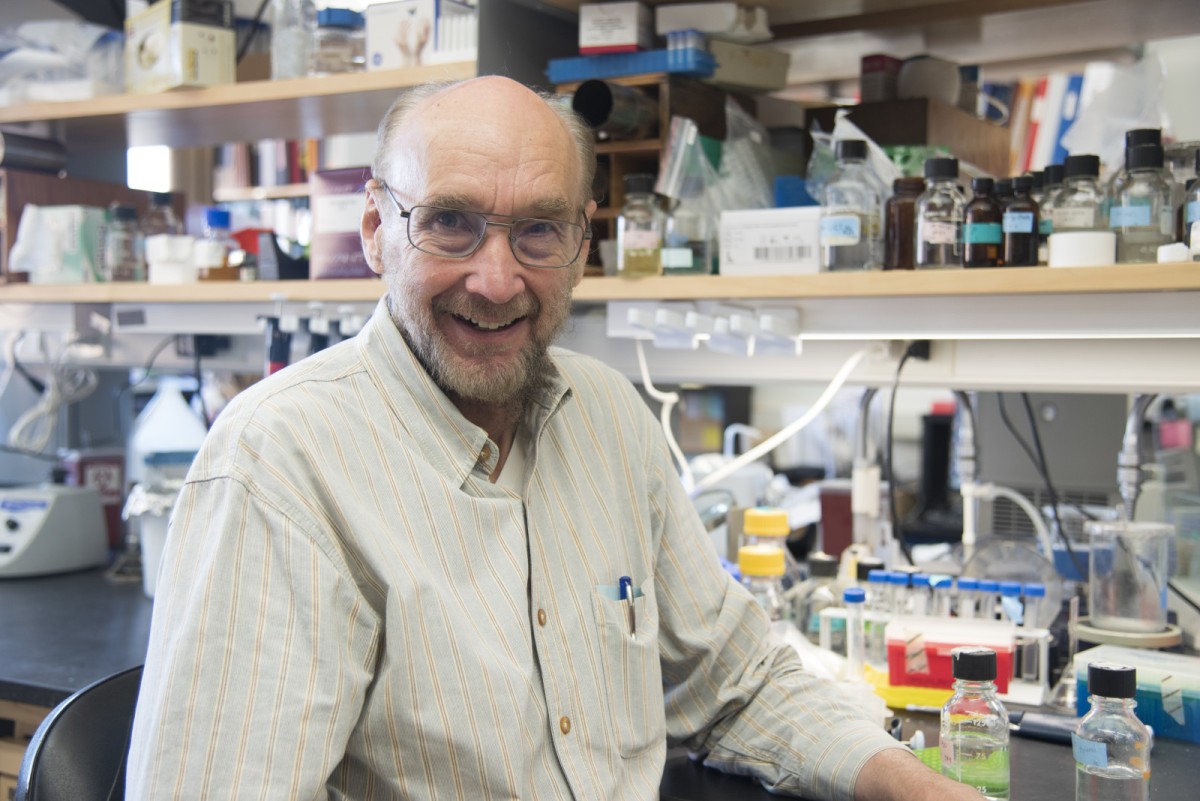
[689,61]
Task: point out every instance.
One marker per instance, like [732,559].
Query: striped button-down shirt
[349,608]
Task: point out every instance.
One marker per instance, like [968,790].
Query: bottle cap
[639,183]
[161,198]
[987,585]
[1053,174]
[1039,179]
[1082,165]
[1035,591]
[1004,186]
[912,184]
[761,560]
[898,578]
[973,663]
[941,168]
[967,583]
[339,18]
[854,595]
[1010,589]
[1141,157]
[920,580]
[1022,184]
[939,582]
[1112,681]
[821,565]
[763,521]
[844,149]
[216,218]
[982,186]
[124,213]
[862,571]
[877,576]
[1143,136]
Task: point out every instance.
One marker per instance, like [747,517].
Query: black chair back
[78,752]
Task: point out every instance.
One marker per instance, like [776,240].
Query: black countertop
[61,633]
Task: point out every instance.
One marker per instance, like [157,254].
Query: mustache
[478,308]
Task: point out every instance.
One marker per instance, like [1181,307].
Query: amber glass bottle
[900,223]
[983,239]
[1021,226]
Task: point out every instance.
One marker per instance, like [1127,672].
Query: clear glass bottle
[1133,138]
[939,214]
[849,228]
[878,614]
[1038,192]
[768,525]
[974,725]
[1021,225]
[1081,205]
[1142,215]
[1031,618]
[983,236]
[1052,186]
[1111,746]
[855,599]
[640,228]
[293,31]
[340,43]
[1191,214]
[900,223]
[160,217]
[212,249]
[688,245]
[124,255]
[817,592]
[762,568]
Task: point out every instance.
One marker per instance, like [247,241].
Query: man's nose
[495,272]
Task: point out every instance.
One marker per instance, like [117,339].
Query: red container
[104,471]
[918,649]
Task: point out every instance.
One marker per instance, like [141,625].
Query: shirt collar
[453,445]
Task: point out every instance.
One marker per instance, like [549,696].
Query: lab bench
[60,633]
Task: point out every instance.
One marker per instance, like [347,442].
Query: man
[394,570]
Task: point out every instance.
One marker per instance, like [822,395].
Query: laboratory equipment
[293,30]
[762,568]
[974,726]
[849,227]
[816,593]
[1167,687]
[900,224]
[1142,214]
[124,255]
[1017,560]
[1081,205]
[983,240]
[1111,746]
[1129,567]
[854,598]
[50,528]
[640,228]
[1021,225]
[919,650]
[939,216]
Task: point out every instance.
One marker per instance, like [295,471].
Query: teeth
[489,326]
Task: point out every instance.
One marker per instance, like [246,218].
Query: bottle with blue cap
[898,584]
[1035,597]
[211,251]
[1010,601]
[968,597]
[340,44]
[919,594]
[855,599]
[989,592]
[879,607]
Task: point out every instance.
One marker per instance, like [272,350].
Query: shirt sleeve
[731,691]
[261,651]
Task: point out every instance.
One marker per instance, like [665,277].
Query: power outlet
[202,345]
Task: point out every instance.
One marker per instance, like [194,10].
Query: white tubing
[668,401]
[1039,523]
[774,441]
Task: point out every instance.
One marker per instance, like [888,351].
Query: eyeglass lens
[453,233]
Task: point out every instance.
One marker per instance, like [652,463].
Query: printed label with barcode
[781,253]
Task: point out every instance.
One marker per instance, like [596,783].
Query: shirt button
[541,617]
[486,453]
[564,724]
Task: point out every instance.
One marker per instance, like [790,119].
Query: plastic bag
[1134,99]
[746,174]
[49,60]
[822,163]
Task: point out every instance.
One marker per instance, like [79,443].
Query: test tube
[878,602]
[1035,595]
[988,590]
[968,597]
[919,594]
[898,584]
[854,598]
[942,595]
[1010,601]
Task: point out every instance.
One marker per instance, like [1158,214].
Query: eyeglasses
[457,234]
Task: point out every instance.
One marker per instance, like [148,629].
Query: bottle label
[1166,222]
[1129,216]
[937,233]
[1195,244]
[641,240]
[1045,226]
[1018,222]
[1074,217]
[676,258]
[1193,211]
[841,230]
[982,234]
[1089,752]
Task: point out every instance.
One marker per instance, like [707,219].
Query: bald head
[480,110]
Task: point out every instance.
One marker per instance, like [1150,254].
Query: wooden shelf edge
[240,193]
[1125,278]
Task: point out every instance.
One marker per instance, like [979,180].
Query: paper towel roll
[1083,249]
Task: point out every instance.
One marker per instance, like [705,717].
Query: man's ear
[588,211]
[369,229]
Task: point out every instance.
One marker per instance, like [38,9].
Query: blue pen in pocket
[626,588]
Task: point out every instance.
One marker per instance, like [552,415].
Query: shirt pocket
[632,671]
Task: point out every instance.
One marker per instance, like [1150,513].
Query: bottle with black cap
[974,725]
[983,237]
[1191,213]
[939,213]
[1081,203]
[818,591]
[1141,214]
[849,232]
[1021,225]
[1133,138]
[1111,746]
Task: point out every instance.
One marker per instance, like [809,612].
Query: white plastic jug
[166,425]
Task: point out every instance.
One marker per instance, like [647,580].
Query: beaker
[1129,566]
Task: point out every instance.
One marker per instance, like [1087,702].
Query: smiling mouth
[483,325]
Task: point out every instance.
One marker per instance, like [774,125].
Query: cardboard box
[337,200]
[406,33]
[177,43]
[749,67]
[770,241]
[615,28]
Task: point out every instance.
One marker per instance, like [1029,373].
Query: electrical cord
[668,401]
[1044,468]
[254,25]
[897,528]
[65,384]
